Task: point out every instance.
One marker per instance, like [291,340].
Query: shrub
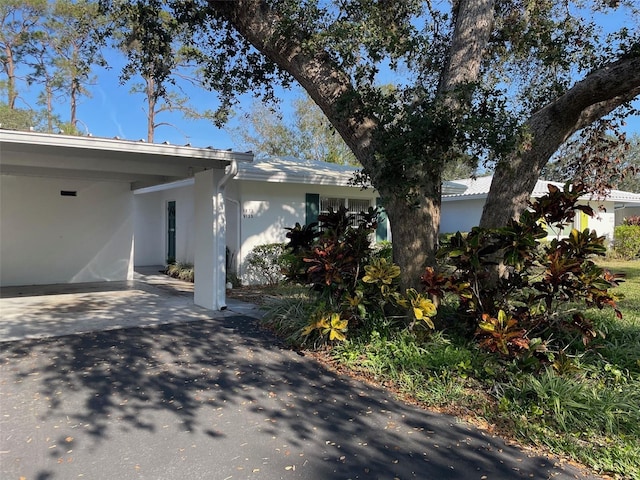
[517,290]
[289,316]
[180,270]
[301,237]
[354,286]
[445,238]
[383,249]
[626,240]
[632,220]
[265,264]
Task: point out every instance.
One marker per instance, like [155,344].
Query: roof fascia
[122,146]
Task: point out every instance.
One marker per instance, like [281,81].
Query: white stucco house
[67,208]
[84,209]
[260,201]
[462,211]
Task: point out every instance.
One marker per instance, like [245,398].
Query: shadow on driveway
[40,311]
[221,399]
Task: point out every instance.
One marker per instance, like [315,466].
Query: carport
[66,208]
[151,298]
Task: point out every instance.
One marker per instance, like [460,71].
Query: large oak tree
[501,81]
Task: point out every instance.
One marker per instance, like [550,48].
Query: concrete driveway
[152,298]
[213,397]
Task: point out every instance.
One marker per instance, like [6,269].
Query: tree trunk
[151,109]
[49,106]
[73,100]
[471,34]
[414,229]
[415,232]
[10,70]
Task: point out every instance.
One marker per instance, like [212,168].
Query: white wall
[256,213]
[604,221]
[149,211]
[151,226]
[48,238]
[460,215]
[233,213]
[267,208]
[627,212]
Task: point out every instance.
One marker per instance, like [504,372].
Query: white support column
[209,288]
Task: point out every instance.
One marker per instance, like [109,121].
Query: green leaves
[353,286]
[332,325]
[627,241]
[422,308]
[380,272]
[540,283]
[502,334]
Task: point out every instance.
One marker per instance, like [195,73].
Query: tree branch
[473,24]
[597,95]
[328,86]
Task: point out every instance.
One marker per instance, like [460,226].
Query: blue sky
[114,111]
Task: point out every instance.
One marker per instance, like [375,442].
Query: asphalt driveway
[220,399]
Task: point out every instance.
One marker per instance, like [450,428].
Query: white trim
[165,186]
[119,145]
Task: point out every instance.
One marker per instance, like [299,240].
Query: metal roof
[140,163]
[294,170]
[479,188]
[312,172]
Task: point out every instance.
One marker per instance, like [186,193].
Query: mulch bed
[255,294]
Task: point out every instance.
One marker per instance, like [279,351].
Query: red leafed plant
[502,334]
[541,286]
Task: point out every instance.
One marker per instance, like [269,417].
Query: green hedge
[626,241]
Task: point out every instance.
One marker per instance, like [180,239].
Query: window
[314,204]
[353,205]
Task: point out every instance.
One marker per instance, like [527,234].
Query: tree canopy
[50,44]
[50,50]
[413,88]
[601,163]
[305,133]
[501,81]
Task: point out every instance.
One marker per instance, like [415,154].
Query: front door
[171,232]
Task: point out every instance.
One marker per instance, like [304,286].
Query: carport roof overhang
[139,163]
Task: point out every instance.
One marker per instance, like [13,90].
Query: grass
[584,404]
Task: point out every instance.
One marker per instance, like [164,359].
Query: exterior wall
[627,212]
[151,226]
[463,214]
[460,215]
[233,214]
[266,209]
[150,237]
[256,213]
[49,238]
[604,221]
